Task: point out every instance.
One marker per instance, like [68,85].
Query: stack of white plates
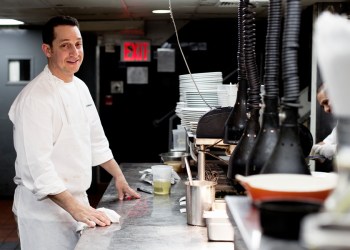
[202,99]
[199,82]
[178,109]
[198,94]
[191,116]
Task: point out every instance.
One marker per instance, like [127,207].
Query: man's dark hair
[48,34]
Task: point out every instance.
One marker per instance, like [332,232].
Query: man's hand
[90,216]
[122,186]
[124,190]
[79,211]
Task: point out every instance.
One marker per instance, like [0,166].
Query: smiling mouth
[73,61]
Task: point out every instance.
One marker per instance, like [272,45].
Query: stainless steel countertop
[152,222]
[245,218]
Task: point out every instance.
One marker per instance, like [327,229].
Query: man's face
[66,53]
[324,101]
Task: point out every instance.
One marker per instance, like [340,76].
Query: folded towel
[111,214]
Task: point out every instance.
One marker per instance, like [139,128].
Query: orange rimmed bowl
[316,186]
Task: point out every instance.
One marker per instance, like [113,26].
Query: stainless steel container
[200,197]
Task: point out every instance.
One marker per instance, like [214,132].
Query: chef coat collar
[55,78]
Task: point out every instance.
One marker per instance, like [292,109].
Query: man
[327,147]
[58,137]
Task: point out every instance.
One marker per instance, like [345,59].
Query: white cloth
[55,152]
[112,215]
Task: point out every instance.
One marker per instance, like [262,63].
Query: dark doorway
[132,117]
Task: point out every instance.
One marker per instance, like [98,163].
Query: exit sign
[135,51]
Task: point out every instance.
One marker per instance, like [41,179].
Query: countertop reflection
[152,222]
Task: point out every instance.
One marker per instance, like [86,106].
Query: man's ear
[46,49]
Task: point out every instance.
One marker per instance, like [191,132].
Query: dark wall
[134,122]
[14,43]
[220,35]
[87,71]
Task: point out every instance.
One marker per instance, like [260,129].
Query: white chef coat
[332,137]
[58,137]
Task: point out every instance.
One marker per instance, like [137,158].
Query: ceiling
[36,12]
[114,20]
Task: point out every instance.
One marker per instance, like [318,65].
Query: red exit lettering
[136,51]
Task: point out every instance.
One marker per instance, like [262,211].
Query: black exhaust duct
[239,157]
[287,156]
[268,135]
[237,118]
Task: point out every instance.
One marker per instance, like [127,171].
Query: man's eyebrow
[67,40]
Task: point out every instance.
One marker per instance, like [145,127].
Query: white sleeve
[332,137]
[99,142]
[33,139]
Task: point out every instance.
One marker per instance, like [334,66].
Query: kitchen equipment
[281,218]
[176,165]
[288,186]
[205,146]
[173,156]
[200,197]
[219,227]
[239,157]
[161,179]
[227,95]
[209,135]
[287,156]
[174,159]
[237,119]
[332,37]
[179,139]
[320,231]
[212,123]
[188,170]
[268,134]
[333,34]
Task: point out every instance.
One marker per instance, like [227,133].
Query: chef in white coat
[58,137]
[326,148]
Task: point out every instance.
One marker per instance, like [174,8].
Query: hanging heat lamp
[268,134]
[287,156]
[237,118]
[239,157]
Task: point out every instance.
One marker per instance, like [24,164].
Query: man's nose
[327,109]
[73,50]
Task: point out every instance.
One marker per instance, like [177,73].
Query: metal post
[201,163]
